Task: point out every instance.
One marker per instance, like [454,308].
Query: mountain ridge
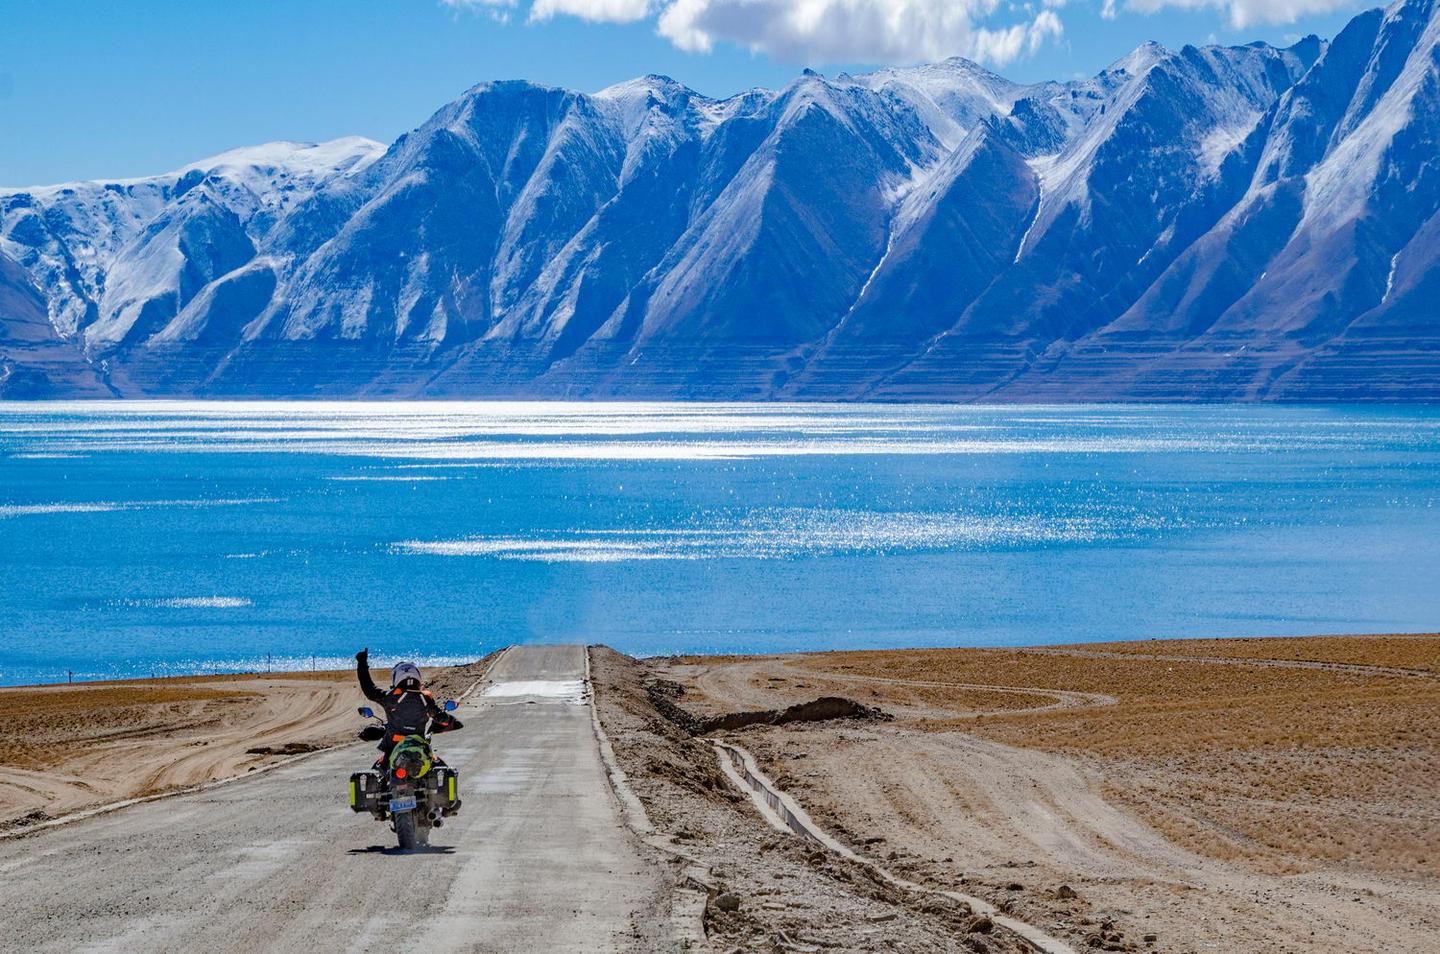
[1217,223]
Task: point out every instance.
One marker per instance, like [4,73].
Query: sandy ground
[1229,796]
[71,747]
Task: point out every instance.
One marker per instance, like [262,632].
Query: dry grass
[1284,767]
[303,675]
[20,704]
[1417,652]
[322,675]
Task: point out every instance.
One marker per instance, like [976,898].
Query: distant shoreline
[303,674]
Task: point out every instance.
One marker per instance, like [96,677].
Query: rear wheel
[405,831]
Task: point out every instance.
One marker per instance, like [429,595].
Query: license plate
[406,804]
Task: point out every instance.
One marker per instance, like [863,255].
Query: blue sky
[106,89]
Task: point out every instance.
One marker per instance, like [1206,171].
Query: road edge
[693,892]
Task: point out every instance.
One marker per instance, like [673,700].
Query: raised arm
[362,672]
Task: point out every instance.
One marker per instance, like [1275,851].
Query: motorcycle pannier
[363,789]
[447,784]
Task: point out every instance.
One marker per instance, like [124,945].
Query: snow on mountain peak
[1139,60]
[922,232]
[348,154]
[952,96]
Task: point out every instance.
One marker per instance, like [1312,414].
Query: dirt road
[538,859]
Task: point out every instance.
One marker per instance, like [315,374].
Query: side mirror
[367,712]
[450,705]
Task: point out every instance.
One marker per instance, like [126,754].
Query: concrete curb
[214,783]
[785,814]
[631,808]
[695,888]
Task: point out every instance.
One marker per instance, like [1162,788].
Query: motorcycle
[413,789]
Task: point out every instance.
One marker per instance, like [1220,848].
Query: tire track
[1358,669]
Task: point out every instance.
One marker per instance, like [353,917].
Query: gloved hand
[363,656]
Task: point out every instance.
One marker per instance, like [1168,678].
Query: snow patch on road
[561,690]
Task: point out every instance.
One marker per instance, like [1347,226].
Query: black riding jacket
[407,711]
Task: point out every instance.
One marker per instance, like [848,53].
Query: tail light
[401,773]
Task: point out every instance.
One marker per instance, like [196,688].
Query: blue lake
[199,537]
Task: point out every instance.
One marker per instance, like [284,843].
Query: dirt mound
[662,694]
[289,748]
[824,709]
[35,817]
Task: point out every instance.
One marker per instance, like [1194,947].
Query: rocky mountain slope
[1241,223]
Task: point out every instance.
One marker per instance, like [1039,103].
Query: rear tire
[405,831]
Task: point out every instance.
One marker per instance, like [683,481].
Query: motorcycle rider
[409,706]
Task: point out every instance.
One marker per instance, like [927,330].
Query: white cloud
[1007,45]
[822,32]
[600,11]
[1245,13]
[857,31]
[497,9]
[826,31]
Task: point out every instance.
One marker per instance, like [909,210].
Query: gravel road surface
[537,860]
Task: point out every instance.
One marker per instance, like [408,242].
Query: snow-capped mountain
[1219,223]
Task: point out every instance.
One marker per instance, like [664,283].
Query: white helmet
[403,671]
